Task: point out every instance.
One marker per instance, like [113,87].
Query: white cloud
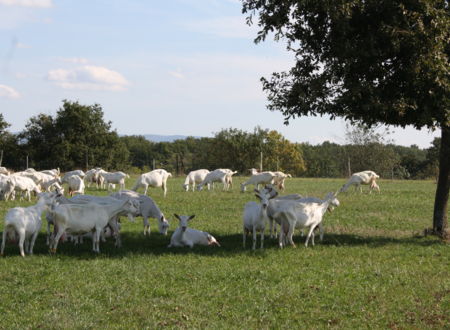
[76,60]
[88,77]
[8,92]
[176,74]
[225,27]
[22,45]
[28,3]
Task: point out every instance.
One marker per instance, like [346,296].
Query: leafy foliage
[365,61]
[78,136]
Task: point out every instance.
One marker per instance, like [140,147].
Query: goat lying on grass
[184,236]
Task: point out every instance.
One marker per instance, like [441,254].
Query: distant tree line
[79,137]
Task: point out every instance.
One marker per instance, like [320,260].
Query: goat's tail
[212,241]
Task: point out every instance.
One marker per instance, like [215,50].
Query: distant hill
[165,138]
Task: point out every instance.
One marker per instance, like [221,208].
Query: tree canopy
[367,61]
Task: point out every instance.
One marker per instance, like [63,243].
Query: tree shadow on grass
[136,244]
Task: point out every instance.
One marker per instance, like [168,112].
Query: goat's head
[163,225]
[264,197]
[183,220]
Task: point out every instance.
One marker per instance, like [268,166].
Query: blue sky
[186,67]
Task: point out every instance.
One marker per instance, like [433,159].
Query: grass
[374,269]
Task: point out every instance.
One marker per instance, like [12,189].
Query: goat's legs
[311,233]
[5,230]
[33,240]
[21,241]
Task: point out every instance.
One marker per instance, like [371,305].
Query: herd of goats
[97,217]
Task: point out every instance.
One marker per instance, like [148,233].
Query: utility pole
[349,168]
[261,163]
[27,161]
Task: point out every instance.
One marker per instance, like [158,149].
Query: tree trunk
[440,222]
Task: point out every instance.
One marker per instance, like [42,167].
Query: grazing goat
[83,218]
[184,236]
[147,209]
[26,223]
[155,178]
[25,186]
[279,179]
[360,178]
[296,214]
[257,179]
[218,175]
[195,177]
[255,218]
[114,178]
[374,186]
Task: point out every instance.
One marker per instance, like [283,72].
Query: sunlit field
[374,268]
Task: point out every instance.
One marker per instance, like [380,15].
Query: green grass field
[374,269]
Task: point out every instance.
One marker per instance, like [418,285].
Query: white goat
[147,209]
[278,203]
[93,176]
[301,215]
[48,185]
[218,175]
[360,178]
[374,186]
[83,218]
[113,222]
[279,179]
[54,172]
[66,175]
[253,171]
[195,177]
[26,223]
[184,236]
[76,185]
[114,178]
[255,218]
[6,187]
[25,186]
[85,199]
[155,178]
[257,179]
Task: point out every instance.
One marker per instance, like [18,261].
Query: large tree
[77,137]
[367,61]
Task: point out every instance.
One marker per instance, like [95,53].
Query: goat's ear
[191,217]
[176,216]
[273,196]
[256,191]
[257,196]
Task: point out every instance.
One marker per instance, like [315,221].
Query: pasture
[374,268]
